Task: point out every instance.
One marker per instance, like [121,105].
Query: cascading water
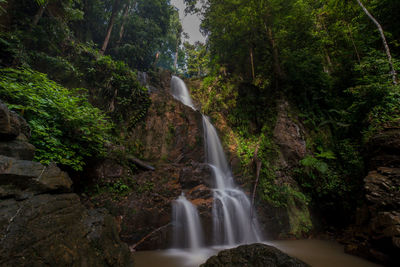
[233,222]
[187,231]
[180,92]
[232,216]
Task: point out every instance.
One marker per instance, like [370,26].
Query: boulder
[56,230]
[254,255]
[18,149]
[23,178]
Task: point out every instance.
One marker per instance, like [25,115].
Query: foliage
[197,59]
[66,129]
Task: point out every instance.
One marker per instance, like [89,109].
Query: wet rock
[193,174]
[56,230]
[255,255]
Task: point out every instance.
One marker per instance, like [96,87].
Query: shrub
[66,128]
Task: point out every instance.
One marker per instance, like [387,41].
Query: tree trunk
[258,169]
[110,26]
[121,30]
[275,54]
[252,63]
[354,44]
[132,248]
[176,54]
[39,14]
[392,70]
[156,59]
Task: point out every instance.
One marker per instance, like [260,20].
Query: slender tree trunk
[121,30]
[258,169]
[39,14]
[385,44]
[110,26]
[354,44]
[132,248]
[252,63]
[156,60]
[176,54]
[275,54]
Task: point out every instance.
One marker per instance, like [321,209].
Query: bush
[66,128]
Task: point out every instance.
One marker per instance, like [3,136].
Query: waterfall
[180,92]
[233,222]
[187,230]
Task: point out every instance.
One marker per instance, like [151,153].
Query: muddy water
[317,253]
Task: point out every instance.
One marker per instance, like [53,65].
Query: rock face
[376,234]
[41,221]
[255,255]
[294,219]
[172,131]
[171,140]
[148,209]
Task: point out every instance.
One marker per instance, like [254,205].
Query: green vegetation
[70,68]
[65,128]
[327,59]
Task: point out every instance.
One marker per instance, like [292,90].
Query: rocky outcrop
[41,221]
[22,179]
[255,255]
[148,209]
[11,124]
[172,132]
[14,134]
[376,235]
[57,230]
[294,219]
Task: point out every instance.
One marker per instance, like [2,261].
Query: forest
[99,135]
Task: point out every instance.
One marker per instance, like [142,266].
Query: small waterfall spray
[233,222]
[180,92]
[187,230]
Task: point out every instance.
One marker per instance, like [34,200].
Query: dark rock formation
[18,149]
[376,235]
[41,222]
[57,230]
[294,219]
[11,124]
[172,131]
[171,140]
[255,255]
[149,207]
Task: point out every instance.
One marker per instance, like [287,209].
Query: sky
[190,23]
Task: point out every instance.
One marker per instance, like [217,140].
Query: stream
[317,253]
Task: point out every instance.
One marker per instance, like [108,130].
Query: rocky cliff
[41,221]
[171,140]
[376,234]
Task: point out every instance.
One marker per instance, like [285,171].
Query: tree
[385,44]
[114,12]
